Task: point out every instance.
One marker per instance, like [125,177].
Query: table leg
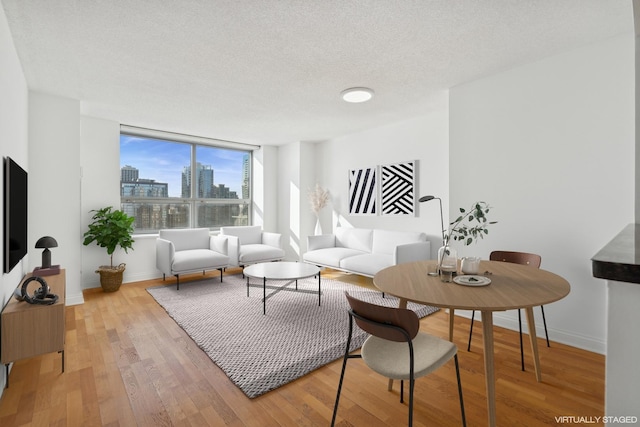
[264,296]
[319,294]
[452,313]
[489,372]
[531,323]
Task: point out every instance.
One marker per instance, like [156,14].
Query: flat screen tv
[15,214]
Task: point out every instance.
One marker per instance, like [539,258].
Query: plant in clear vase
[471,225]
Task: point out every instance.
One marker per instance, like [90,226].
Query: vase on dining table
[447,262]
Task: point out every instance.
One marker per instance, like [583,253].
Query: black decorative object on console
[46,269]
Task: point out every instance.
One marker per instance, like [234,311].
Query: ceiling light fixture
[357,94]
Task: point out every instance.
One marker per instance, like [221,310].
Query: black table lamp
[46,242]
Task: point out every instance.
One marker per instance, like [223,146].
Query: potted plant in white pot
[109,230]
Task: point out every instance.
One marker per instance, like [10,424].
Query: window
[170,181]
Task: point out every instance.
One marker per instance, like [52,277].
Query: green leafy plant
[470,225]
[110,229]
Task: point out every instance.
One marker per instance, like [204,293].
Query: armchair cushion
[198,260]
[187,238]
[250,245]
[247,235]
[251,254]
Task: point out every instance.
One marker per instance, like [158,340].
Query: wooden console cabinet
[28,330]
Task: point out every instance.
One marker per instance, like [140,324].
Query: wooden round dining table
[513,286]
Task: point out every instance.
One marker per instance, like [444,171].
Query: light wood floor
[128,363]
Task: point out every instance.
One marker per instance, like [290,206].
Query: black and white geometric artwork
[362,191]
[398,188]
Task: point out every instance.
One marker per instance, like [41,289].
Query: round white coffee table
[283,270]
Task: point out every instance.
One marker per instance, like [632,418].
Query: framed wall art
[363,190]
[398,188]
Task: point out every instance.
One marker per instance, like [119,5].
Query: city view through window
[166,184]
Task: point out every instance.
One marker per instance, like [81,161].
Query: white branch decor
[318,198]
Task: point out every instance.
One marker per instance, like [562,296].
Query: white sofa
[190,250]
[366,251]
[250,245]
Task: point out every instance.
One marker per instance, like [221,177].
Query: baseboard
[558,335]
[75,299]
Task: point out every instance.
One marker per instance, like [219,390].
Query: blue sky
[164,162]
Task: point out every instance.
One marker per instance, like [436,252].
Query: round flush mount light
[357,94]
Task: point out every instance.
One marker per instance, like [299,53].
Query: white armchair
[250,245]
[190,250]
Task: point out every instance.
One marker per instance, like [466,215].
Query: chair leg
[177,282]
[412,382]
[401,391]
[473,313]
[344,367]
[544,321]
[221,270]
[521,347]
[464,418]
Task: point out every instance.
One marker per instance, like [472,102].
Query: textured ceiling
[271,71]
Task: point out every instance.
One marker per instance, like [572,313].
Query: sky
[164,162]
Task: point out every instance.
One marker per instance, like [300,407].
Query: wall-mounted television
[15,214]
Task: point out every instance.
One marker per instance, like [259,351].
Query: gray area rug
[262,352]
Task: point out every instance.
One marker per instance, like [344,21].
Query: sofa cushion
[248,235]
[385,242]
[354,238]
[187,238]
[321,241]
[366,264]
[198,259]
[258,252]
[330,256]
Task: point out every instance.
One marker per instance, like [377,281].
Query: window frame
[193,202]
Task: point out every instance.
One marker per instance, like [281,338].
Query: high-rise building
[144,188]
[203,179]
[129,174]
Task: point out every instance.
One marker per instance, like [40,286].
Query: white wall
[14,128]
[423,138]
[265,188]
[100,165]
[289,196]
[54,184]
[550,146]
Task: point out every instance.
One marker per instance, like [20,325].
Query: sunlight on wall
[258,191]
[340,220]
[294,218]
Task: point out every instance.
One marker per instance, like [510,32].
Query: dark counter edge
[619,259]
